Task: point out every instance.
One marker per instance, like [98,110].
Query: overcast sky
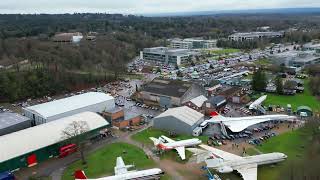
[144,6]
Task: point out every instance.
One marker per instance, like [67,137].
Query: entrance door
[165,102]
[32,160]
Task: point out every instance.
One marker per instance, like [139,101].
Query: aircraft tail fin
[155,141]
[214,113]
[79,174]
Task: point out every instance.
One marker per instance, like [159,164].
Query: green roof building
[304,110]
[28,147]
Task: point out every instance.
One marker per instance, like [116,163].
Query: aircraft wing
[168,139]
[222,154]
[182,153]
[120,167]
[249,172]
[201,155]
[240,123]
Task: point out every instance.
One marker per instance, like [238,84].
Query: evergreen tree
[259,81]
[279,85]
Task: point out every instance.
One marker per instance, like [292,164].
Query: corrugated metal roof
[198,101]
[184,114]
[34,138]
[10,119]
[68,104]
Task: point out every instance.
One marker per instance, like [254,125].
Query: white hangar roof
[34,138]
[60,106]
[198,101]
[184,113]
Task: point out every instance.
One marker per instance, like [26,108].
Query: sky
[143,6]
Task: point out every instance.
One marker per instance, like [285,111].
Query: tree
[259,81]
[74,132]
[290,85]
[315,85]
[279,85]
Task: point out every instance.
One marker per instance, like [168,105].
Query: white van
[197,131]
[204,124]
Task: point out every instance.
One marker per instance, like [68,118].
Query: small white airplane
[165,143]
[238,124]
[121,173]
[225,162]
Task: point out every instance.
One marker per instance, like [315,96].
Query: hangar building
[33,145]
[180,120]
[12,122]
[46,112]
[169,93]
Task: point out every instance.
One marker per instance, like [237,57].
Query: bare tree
[73,132]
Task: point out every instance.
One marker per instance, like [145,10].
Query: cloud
[143,6]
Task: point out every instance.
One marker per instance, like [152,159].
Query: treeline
[314,83]
[41,82]
[107,53]
[160,27]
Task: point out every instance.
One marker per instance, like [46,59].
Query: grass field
[224,51]
[291,143]
[300,99]
[143,136]
[263,61]
[102,161]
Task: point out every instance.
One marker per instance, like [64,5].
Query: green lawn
[224,51]
[300,99]
[292,144]
[102,161]
[143,136]
[263,61]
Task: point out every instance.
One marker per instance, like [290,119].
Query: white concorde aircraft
[121,173]
[238,124]
[165,143]
[225,162]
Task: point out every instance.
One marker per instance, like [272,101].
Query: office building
[254,36]
[164,55]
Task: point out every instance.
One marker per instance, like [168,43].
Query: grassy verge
[103,161]
[224,51]
[292,144]
[300,99]
[263,62]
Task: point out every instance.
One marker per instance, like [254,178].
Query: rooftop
[44,135]
[68,104]
[168,87]
[166,50]
[217,100]
[9,119]
[253,34]
[198,101]
[184,114]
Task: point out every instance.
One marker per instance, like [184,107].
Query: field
[262,62]
[224,51]
[297,100]
[291,143]
[102,161]
[143,136]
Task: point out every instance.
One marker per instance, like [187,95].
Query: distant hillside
[244,11]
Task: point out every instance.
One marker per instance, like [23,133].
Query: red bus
[67,149]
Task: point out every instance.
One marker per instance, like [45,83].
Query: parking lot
[254,135]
